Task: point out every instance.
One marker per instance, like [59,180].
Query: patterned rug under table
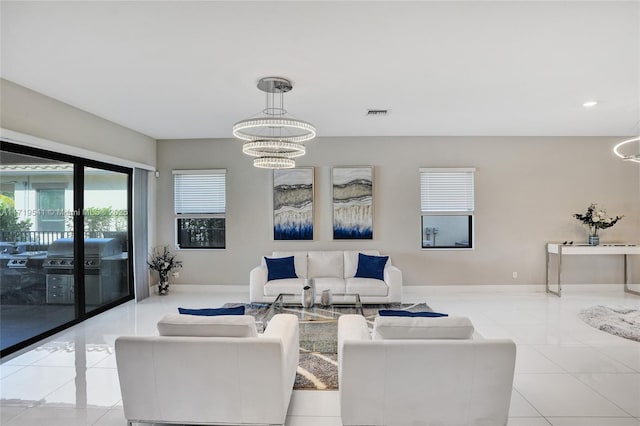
[318,367]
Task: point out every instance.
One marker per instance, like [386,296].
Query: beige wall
[25,111]
[526,192]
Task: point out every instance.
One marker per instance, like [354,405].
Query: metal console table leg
[559,255]
[626,278]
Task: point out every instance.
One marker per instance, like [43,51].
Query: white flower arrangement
[164,262]
[596,219]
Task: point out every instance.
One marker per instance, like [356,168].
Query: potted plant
[596,219]
[164,262]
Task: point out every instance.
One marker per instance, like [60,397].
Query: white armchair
[422,378]
[190,376]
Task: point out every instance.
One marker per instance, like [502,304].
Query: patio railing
[40,240]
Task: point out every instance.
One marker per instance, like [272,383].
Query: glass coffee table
[318,324]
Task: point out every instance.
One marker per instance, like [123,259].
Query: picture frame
[352,202]
[293,202]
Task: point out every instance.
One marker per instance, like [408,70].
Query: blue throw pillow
[280,268]
[371,266]
[211,312]
[398,313]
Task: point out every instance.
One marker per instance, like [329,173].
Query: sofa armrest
[257,280]
[351,327]
[285,327]
[393,279]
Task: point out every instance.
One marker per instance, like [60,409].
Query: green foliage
[9,217]
[100,219]
[121,223]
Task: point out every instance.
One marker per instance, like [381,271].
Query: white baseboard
[586,288]
[448,289]
[207,288]
[428,289]
[509,288]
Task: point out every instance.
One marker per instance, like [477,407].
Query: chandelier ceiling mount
[273,135]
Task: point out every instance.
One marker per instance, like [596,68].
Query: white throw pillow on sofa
[208,326]
[422,328]
[325,264]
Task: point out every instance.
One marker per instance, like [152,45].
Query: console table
[561,250]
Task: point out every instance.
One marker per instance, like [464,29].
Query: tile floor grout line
[599,350]
[602,395]
[549,359]
[528,402]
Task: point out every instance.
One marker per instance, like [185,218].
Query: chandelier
[630,157]
[273,136]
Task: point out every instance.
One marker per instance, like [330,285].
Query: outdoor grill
[25,260]
[102,268]
[22,278]
[17,255]
[61,252]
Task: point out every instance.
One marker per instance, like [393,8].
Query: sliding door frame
[79,164]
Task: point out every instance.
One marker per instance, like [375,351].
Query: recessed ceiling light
[377,112]
[590,104]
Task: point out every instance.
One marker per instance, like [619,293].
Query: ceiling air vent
[377,112]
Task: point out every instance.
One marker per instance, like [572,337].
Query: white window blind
[199,191]
[446,190]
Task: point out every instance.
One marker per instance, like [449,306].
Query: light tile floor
[567,373]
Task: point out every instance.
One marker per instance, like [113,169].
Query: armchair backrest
[406,382]
[195,380]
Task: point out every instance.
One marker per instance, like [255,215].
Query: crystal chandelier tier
[273,135]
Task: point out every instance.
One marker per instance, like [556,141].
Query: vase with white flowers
[164,262]
[596,219]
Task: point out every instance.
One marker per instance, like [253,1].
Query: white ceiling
[175,69]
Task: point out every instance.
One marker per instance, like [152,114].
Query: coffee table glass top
[342,303]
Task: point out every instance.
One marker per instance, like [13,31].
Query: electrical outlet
[515,275]
[176,275]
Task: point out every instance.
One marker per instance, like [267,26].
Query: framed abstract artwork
[293,204]
[352,203]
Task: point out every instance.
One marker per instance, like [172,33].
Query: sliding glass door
[106,236]
[64,242]
[37,196]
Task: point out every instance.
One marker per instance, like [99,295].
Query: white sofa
[408,373]
[187,376]
[330,270]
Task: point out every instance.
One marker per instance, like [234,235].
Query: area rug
[620,321]
[318,366]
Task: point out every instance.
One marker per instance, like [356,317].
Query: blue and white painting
[293,204]
[352,203]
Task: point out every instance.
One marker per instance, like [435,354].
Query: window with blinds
[200,207]
[447,206]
